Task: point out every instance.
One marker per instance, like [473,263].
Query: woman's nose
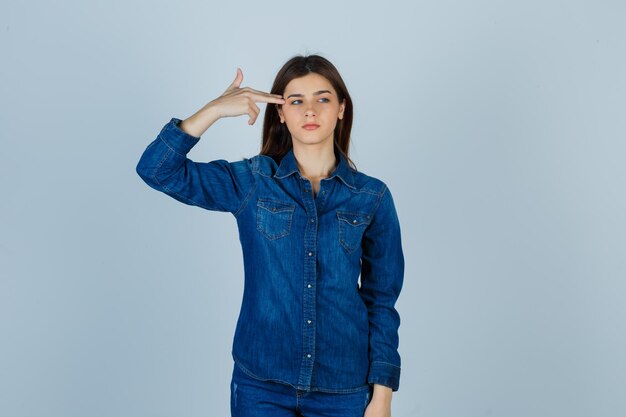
[310,110]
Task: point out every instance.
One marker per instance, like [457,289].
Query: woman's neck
[315,163]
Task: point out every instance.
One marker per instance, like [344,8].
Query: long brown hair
[276,137]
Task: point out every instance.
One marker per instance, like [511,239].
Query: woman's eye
[323,98]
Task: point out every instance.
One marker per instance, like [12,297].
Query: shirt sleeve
[382,274]
[216,185]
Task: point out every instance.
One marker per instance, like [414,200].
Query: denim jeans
[252,397]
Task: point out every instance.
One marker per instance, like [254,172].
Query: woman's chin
[311,139]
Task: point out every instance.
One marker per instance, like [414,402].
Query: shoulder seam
[253,170]
[380,199]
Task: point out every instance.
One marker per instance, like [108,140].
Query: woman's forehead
[309,84]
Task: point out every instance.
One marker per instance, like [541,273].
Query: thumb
[237,81]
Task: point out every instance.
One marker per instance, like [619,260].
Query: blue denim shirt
[306,319]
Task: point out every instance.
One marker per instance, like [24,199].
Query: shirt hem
[303,387]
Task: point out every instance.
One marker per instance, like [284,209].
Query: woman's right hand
[235,101]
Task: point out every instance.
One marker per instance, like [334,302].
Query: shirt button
[312,220]
[308,355]
[308,321]
[310,253]
[354,221]
[308,286]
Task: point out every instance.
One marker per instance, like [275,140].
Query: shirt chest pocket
[351,228]
[273,217]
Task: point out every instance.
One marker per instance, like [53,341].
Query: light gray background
[498,126]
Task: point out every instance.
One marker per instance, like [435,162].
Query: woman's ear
[342,108]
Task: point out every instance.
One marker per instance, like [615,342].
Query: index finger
[267,98]
[252,90]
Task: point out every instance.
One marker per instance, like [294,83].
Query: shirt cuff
[177,139]
[384,374]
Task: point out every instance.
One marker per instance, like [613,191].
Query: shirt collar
[288,166]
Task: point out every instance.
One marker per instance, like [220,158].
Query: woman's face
[311,100]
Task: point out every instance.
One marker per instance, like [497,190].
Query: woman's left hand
[380,405]
[378,409]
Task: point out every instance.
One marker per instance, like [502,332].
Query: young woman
[317,332]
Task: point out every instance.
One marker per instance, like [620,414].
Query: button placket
[309,279]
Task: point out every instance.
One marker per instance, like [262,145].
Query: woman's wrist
[200,121]
[382,393]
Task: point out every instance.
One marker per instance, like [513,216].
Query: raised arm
[216,185]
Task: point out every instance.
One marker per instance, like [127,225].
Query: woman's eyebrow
[317,93]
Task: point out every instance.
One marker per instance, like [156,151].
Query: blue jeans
[252,397]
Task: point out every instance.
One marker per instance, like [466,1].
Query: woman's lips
[311,126]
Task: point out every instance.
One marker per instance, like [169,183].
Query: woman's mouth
[310,126]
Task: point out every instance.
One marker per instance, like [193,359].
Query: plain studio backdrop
[499,127]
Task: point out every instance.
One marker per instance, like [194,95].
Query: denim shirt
[322,273]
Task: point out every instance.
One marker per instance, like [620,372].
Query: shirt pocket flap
[275,206]
[354,219]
